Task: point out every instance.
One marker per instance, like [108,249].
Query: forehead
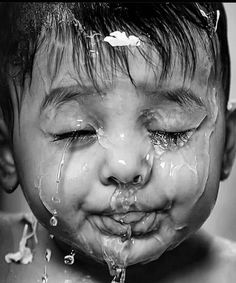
[61,71]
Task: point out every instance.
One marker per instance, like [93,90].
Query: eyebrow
[182,96]
[58,96]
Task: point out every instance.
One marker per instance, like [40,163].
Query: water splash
[69,259]
[24,255]
[119,275]
[115,254]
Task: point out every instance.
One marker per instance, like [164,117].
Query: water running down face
[138,172]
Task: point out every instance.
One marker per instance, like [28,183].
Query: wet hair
[165,27]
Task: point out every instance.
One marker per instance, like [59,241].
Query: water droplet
[56,199]
[78,123]
[93,53]
[85,167]
[122,136]
[45,276]
[38,183]
[122,162]
[103,139]
[69,259]
[53,221]
[48,254]
[127,235]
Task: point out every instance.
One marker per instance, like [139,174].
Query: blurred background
[223,218]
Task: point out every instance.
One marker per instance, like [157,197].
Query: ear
[230,144]
[8,174]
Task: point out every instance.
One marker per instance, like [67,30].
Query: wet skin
[137,165]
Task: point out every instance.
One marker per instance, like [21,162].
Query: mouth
[130,224]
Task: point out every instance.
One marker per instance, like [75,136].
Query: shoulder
[10,222]
[224,248]
[223,258]
[214,259]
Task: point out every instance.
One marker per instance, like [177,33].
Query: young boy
[115,126]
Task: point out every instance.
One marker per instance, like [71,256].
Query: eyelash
[170,140]
[82,136]
[166,140]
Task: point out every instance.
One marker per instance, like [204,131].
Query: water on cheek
[56,199]
[184,172]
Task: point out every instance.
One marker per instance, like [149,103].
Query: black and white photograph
[117,142]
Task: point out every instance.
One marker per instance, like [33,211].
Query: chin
[123,250]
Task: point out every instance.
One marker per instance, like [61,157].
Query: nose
[128,164]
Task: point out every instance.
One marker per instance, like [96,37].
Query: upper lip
[112,213]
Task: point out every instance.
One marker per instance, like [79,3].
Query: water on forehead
[105,74]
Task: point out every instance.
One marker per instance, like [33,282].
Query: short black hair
[165,25]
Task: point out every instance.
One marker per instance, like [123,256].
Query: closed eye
[170,140]
[80,136]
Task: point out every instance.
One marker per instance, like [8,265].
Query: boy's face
[137,161]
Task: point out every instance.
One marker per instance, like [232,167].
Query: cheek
[190,176]
[56,178]
[66,180]
[184,172]
[183,176]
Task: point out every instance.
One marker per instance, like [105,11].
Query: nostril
[113,180]
[137,179]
